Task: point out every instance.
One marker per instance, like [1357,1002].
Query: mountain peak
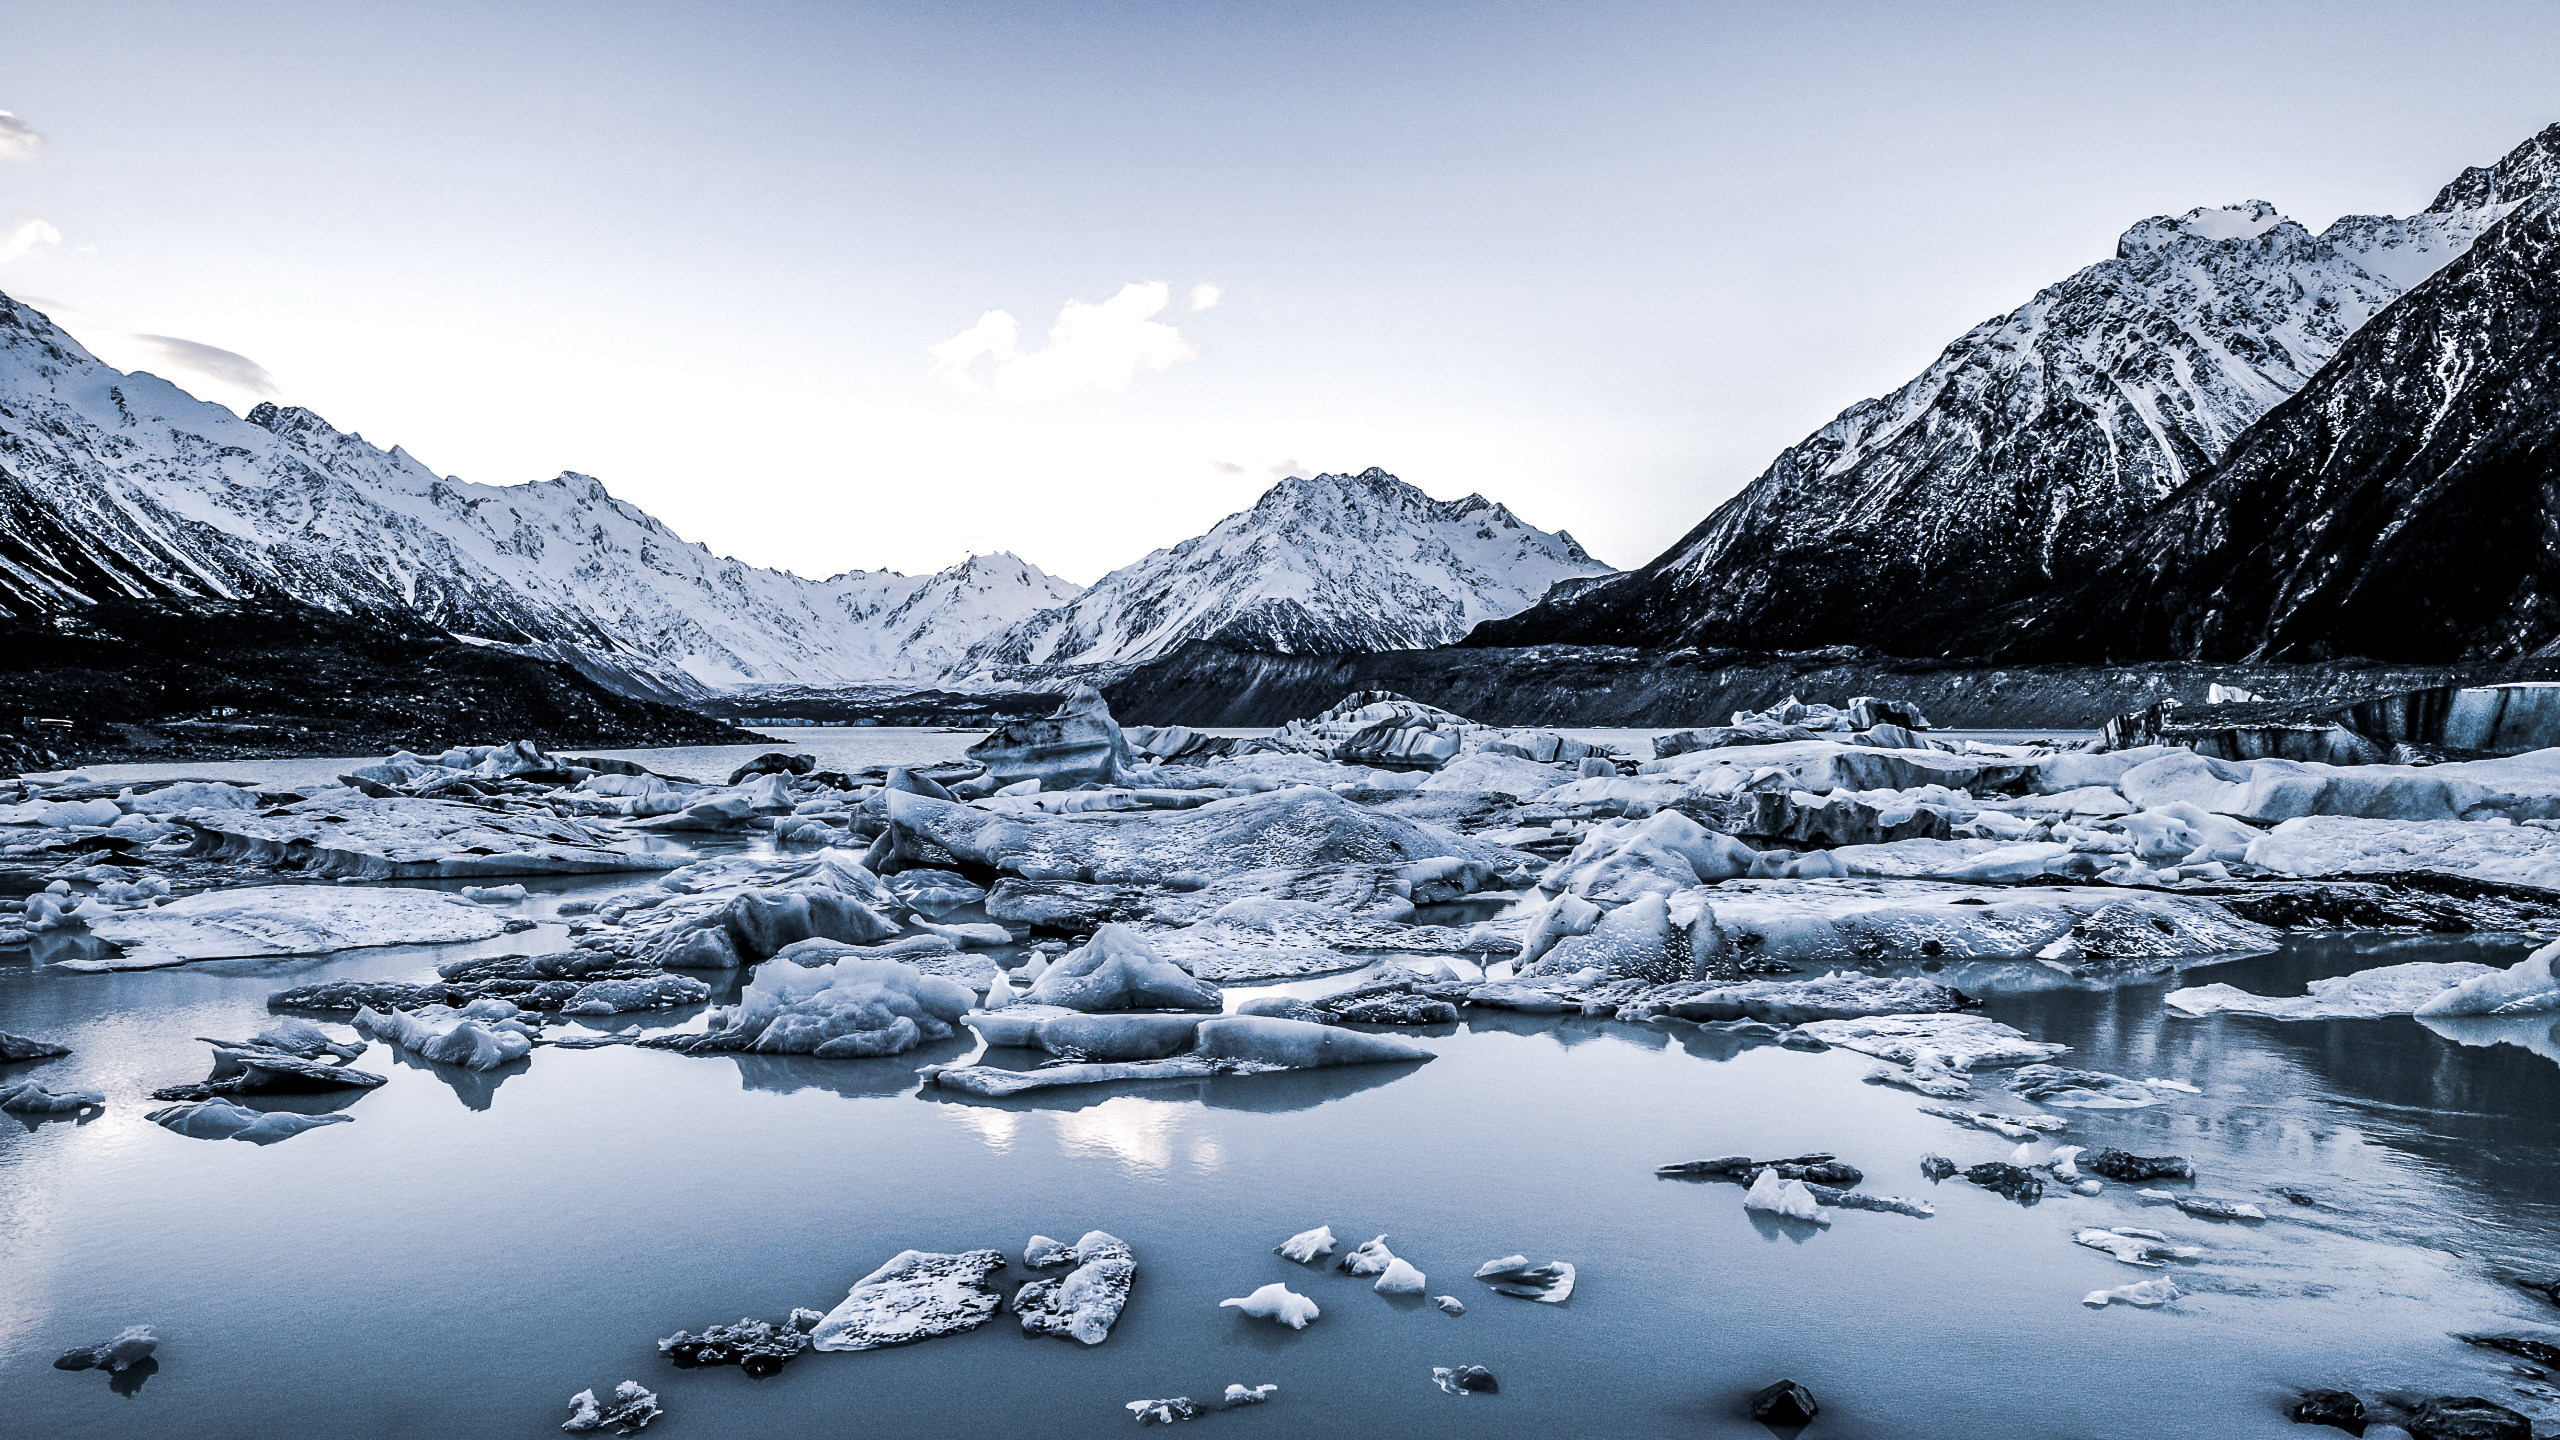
[2217,223]
[2520,174]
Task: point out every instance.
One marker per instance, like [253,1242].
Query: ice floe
[1082,1304]
[2403,989]
[916,1296]
[846,1009]
[272,920]
[1277,1303]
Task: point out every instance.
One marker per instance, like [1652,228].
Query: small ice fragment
[1463,1379]
[1250,1394]
[1449,1304]
[1400,1278]
[632,1410]
[1277,1302]
[493,894]
[1784,1197]
[1370,1259]
[1307,1246]
[1165,1412]
[2141,1292]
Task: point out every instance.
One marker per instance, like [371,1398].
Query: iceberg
[1299,1044]
[1400,1278]
[2530,985]
[1307,1246]
[1118,970]
[271,920]
[1082,1304]
[847,1009]
[916,1296]
[1789,1198]
[1276,1302]
[2405,989]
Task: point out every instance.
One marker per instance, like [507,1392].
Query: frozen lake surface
[475,1247]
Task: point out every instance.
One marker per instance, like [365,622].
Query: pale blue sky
[1597,261]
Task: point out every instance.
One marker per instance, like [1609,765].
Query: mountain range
[2025,459]
[117,486]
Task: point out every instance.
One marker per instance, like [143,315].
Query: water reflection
[2537,1033]
[476,1089]
[853,1079]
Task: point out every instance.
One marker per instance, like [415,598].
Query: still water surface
[476,1247]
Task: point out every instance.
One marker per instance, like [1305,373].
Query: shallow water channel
[474,1248]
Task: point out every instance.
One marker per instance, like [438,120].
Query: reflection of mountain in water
[2337,1108]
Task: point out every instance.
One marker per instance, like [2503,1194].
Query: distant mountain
[115,485]
[2404,506]
[2038,441]
[1333,565]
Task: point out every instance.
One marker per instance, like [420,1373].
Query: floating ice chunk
[480,1036]
[2388,990]
[916,1296]
[631,1411]
[2065,1162]
[2207,1207]
[1081,1305]
[1550,1283]
[1400,1278]
[26,1097]
[1371,1257]
[2081,1089]
[493,894]
[1449,1304]
[222,1120]
[284,920]
[2531,984]
[66,814]
[851,1008]
[2016,1127]
[759,1347]
[1276,1302]
[1783,1197]
[1307,1246]
[2141,1292]
[999,994]
[1968,1042]
[996,1084]
[1165,1412]
[21,1047]
[1299,1044]
[131,1346]
[1118,970]
[1250,1394]
[1930,1074]
[2147,1248]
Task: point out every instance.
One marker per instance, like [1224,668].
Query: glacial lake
[476,1247]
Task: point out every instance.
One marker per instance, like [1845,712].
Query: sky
[839,286]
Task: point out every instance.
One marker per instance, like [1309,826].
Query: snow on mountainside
[1333,565]
[115,484]
[2401,507]
[2033,446]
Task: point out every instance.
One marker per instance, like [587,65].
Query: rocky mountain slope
[2405,506]
[2038,440]
[115,485]
[1330,565]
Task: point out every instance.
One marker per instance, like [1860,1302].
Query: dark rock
[20,1047]
[2024,1186]
[1815,1169]
[2467,1417]
[2546,1286]
[2117,1165]
[2335,1408]
[773,762]
[1465,1379]
[759,1347]
[1785,1403]
[1937,1167]
[1165,1412]
[2540,1352]
[250,1068]
[580,980]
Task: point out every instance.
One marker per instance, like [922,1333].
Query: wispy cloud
[174,359]
[20,237]
[1205,296]
[1092,349]
[18,140]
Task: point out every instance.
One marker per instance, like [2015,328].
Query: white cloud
[1205,296]
[1092,349]
[20,237]
[171,358]
[18,139]
[1226,467]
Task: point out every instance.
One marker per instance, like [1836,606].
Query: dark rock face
[1785,1403]
[2117,1165]
[2036,442]
[294,680]
[2024,1186]
[2540,1352]
[2467,1417]
[2335,1408]
[773,762]
[2402,506]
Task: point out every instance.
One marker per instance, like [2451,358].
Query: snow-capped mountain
[2401,507]
[115,484]
[1333,565]
[2038,440]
